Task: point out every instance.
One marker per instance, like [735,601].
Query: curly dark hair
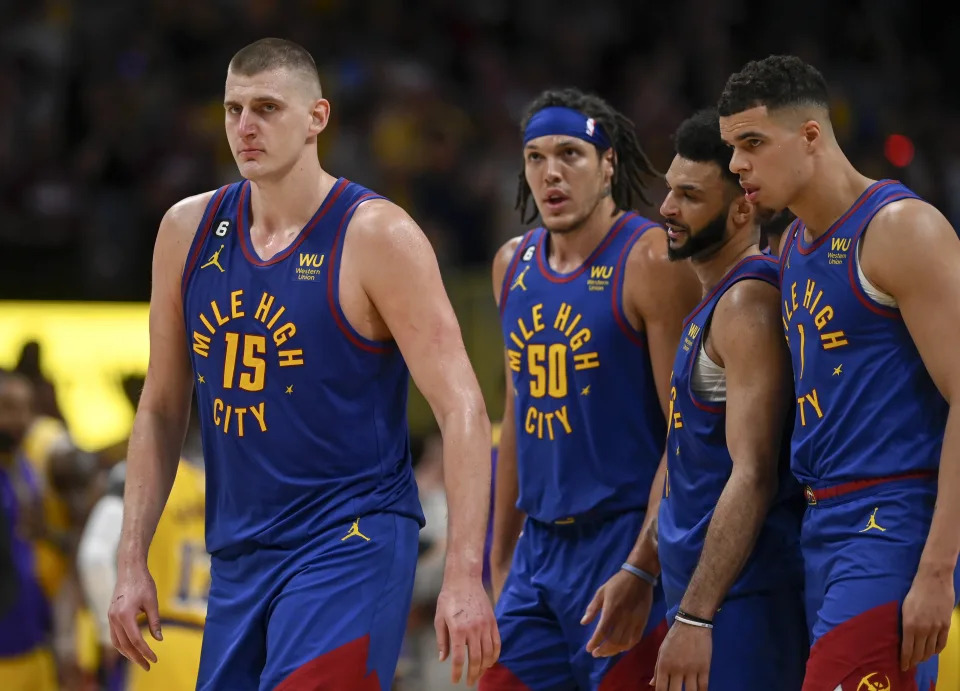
[630,162]
[777,81]
[698,139]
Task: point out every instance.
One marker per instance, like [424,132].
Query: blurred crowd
[112,111]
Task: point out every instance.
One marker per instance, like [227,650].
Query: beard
[702,243]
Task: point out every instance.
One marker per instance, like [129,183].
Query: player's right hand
[135,594]
[624,604]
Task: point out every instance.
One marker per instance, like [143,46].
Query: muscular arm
[403,282]
[160,424]
[747,342]
[507,518]
[658,295]
[912,253]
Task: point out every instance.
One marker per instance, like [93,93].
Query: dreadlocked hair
[630,162]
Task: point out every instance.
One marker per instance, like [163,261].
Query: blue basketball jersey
[866,407]
[303,419]
[590,428]
[699,465]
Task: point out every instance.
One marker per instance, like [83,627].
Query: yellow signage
[86,349]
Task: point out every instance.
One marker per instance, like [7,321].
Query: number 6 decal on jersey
[222,229]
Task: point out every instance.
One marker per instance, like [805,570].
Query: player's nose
[738,162]
[668,208]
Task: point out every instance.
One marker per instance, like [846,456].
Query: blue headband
[561,120]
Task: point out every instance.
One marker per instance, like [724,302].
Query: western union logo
[693,331]
[311,260]
[840,244]
[601,272]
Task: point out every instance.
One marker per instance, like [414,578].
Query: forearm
[942,548]
[730,538]
[152,458]
[507,518]
[466,472]
[644,553]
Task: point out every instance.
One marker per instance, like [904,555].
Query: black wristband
[695,619]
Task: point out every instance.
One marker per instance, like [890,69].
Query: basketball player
[729,524]
[293,301]
[871,309]
[26,660]
[591,310]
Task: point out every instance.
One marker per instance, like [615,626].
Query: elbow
[758,481]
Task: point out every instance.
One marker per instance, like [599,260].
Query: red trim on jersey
[207,222]
[867,194]
[636,336]
[845,488]
[341,668]
[868,645]
[248,252]
[499,678]
[354,337]
[865,300]
[566,278]
[635,669]
[512,269]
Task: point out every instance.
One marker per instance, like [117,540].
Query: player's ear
[320,116]
[608,162]
[741,211]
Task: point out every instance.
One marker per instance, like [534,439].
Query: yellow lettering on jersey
[275,317]
[217,408]
[586,361]
[290,358]
[601,271]
[240,413]
[814,402]
[516,339]
[834,339]
[581,337]
[257,412]
[201,344]
[284,333]
[266,302]
[216,314]
[823,316]
[311,260]
[562,315]
[793,296]
[537,313]
[207,324]
[573,325]
[842,244]
[542,425]
[672,414]
[236,304]
[527,333]
[514,357]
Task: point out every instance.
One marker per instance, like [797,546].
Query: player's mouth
[554,200]
[249,153]
[750,190]
[675,233]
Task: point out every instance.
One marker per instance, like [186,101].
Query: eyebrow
[255,99]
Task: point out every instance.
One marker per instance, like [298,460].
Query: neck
[711,271]
[290,199]
[833,189]
[570,249]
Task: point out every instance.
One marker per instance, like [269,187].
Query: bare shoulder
[178,229]
[380,221]
[649,252]
[905,237]
[651,280]
[747,315]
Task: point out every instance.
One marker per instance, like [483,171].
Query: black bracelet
[691,619]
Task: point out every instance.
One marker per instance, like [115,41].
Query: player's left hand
[684,660]
[624,603]
[926,617]
[466,628]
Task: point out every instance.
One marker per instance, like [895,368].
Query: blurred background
[111,111]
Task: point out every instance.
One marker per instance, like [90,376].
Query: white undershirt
[874,293]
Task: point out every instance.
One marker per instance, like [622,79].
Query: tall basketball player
[294,301]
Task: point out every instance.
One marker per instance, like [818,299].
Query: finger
[704,679]
[676,682]
[942,640]
[929,648]
[916,651]
[132,629]
[152,610]
[662,678]
[600,633]
[690,682]
[443,636]
[906,648]
[128,650]
[487,654]
[457,653]
[496,641]
[474,657]
[596,604]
